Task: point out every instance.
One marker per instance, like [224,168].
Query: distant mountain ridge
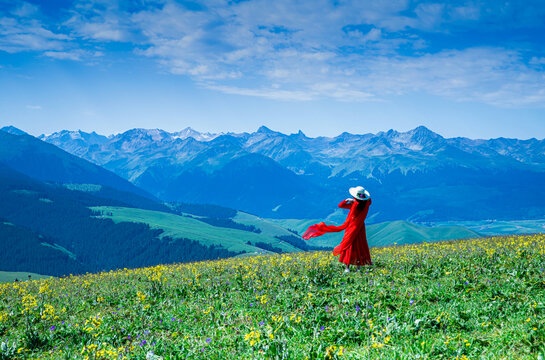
[417,175]
[45,162]
[282,148]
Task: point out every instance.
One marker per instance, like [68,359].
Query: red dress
[353,249]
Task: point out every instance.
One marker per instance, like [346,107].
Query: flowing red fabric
[353,249]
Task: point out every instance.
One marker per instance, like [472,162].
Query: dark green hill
[175,226]
[24,249]
[46,162]
[34,213]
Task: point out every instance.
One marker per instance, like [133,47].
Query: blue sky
[461,68]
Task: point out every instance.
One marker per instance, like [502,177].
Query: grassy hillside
[176,226]
[47,162]
[383,234]
[403,232]
[481,298]
[8,276]
[499,227]
[24,250]
[267,227]
[50,230]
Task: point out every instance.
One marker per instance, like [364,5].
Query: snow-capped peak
[190,133]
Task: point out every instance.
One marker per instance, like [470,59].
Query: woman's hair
[361,204]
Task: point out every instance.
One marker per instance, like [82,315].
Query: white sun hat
[359,193]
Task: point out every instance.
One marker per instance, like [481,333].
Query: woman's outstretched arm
[346,204]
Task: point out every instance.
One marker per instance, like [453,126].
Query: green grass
[383,234]
[298,225]
[176,226]
[8,276]
[267,227]
[61,249]
[84,187]
[469,299]
[403,232]
[500,227]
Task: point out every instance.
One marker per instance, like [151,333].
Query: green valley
[8,276]
[384,234]
[176,226]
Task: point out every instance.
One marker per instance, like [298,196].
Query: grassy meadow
[498,227]
[6,276]
[177,226]
[469,299]
[398,232]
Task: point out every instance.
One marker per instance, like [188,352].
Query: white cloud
[23,30]
[466,12]
[99,21]
[25,9]
[75,54]
[34,107]
[296,51]
[490,75]
[28,34]
[429,15]
[351,51]
[537,60]
[269,93]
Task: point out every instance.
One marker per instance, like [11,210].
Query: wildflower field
[469,299]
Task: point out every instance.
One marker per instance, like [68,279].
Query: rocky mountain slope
[416,175]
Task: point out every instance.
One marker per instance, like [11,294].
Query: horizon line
[264,128]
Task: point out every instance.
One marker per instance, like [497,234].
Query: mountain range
[416,175]
[49,163]
[57,227]
[62,214]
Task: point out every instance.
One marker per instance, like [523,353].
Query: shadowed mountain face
[417,175]
[53,230]
[49,163]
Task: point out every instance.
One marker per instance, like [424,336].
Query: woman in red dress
[353,249]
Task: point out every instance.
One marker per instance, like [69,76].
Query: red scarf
[322,228]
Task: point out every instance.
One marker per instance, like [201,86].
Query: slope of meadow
[398,232]
[176,226]
[499,227]
[6,276]
[468,299]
